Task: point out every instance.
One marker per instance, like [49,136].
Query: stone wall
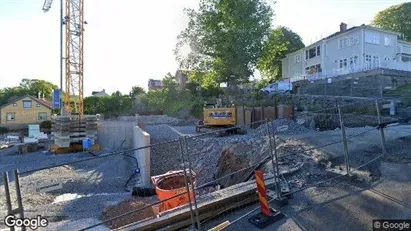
[364,84]
[319,102]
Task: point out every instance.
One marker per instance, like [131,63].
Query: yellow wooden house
[25,110]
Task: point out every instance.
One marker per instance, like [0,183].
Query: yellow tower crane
[73,20]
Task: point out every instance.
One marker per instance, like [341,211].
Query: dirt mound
[127,206]
[230,162]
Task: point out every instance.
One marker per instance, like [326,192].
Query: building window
[38,105]
[372,37]
[297,58]
[312,52]
[353,39]
[42,115]
[343,63]
[354,61]
[387,41]
[14,104]
[313,69]
[376,61]
[11,116]
[26,103]
[343,43]
[368,58]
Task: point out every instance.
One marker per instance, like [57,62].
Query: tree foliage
[27,87]
[396,18]
[281,42]
[137,90]
[110,106]
[225,38]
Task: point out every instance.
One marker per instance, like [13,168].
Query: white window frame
[297,58]
[354,61]
[353,39]
[27,101]
[387,41]
[375,60]
[44,114]
[343,64]
[372,37]
[10,116]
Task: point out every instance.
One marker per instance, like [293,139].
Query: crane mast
[73,47]
[74,21]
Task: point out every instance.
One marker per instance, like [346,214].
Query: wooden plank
[214,213]
[210,202]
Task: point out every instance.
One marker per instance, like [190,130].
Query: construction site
[322,163]
[137,180]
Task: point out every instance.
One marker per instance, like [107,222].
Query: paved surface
[341,206]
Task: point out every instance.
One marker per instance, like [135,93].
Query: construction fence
[214,172]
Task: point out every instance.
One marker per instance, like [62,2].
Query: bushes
[45,124]
[3,130]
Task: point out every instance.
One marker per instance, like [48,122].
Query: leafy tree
[169,82]
[27,87]
[225,38]
[136,90]
[396,18]
[34,86]
[281,42]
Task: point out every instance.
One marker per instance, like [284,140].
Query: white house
[347,51]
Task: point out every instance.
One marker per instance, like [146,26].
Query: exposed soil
[127,206]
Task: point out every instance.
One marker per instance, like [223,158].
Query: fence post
[381,128]
[345,146]
[18,195]
[180,141]
[273,152]
[192,183]
[7,192]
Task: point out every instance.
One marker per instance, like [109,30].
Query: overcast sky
[129,41]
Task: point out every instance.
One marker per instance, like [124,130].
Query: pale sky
[129,41]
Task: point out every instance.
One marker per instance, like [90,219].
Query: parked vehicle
[278,87]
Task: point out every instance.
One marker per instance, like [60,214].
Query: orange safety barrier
[262,193]
[173,183]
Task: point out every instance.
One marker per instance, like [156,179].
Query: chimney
[104,90]
[343,27]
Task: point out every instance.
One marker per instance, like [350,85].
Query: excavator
[220,118]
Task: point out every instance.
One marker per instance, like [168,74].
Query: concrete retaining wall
[111,134]
[142,139]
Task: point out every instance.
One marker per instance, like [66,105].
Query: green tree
[34,86]
[396,18]
[225,38]
[136,90]
[281,42]
[27,87]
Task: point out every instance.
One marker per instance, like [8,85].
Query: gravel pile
[157,119]
[285,127]
[162,132]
